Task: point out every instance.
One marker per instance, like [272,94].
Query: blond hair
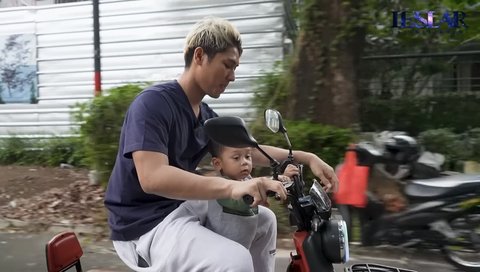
[214,35]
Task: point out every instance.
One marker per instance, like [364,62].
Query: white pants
[181,242]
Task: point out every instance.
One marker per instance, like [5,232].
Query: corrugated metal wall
[141,40]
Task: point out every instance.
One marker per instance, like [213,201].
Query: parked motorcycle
[440,212]
[320,241]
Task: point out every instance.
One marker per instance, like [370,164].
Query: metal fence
[141,41]
[421,74]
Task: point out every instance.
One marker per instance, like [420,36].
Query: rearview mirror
[273,120]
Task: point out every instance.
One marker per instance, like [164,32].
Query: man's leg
[264,245]
[181,243]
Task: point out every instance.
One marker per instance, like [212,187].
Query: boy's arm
[319,168]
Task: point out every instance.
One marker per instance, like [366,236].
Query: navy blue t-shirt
[159,119]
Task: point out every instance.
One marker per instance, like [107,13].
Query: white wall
[141,40]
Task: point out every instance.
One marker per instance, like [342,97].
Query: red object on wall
[98,83]
[353,182]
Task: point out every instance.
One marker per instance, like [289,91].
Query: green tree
[323,74]
[415,73]
[320,81]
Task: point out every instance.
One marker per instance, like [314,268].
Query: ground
[27,181]
[45,196]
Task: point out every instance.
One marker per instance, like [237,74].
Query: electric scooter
[320,240]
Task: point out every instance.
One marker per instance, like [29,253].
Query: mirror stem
[290,154]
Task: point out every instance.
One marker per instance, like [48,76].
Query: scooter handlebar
[248,199]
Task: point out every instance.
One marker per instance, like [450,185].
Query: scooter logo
[429,20]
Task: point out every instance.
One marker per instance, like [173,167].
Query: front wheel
[464,250]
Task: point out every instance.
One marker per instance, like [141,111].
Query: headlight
[335,241]
[319,198]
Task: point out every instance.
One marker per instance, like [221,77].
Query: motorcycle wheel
[464,251]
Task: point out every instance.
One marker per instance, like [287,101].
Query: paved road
[26,252]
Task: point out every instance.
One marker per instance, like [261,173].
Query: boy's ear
[217,163]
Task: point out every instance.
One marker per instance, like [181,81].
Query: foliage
[46,152]
[408,76]
[13,150]
[473,137]
[383,38]
[455,147]
[101,122]
[327,142]
[271,91]
[62,150]
[457,111]
[445,142]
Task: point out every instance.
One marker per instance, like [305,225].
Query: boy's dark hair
[215,148]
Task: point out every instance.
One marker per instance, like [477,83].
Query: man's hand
[325,173]
[257,188]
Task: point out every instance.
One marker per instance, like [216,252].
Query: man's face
[215,74]
[235,163]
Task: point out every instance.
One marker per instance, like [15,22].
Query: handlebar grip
[248,199]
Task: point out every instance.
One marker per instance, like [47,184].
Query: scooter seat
[428,189]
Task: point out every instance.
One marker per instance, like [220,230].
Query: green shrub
[455,147]
[414,114]
[102,120]
[328,142]
[474,143]
[45,152]
[13,150]
[55,151]
[271,89]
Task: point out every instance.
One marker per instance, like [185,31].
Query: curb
[7,224]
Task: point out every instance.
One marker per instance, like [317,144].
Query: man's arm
[319,168]
[156,176]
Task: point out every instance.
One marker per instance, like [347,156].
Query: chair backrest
[63,251]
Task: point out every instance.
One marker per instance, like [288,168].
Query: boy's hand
[291,170]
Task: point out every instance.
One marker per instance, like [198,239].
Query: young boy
[226,216]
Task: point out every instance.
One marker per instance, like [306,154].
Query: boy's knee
[267,216]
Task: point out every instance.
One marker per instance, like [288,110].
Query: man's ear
[217,163]
[199,55]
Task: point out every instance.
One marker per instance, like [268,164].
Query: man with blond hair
[156,202]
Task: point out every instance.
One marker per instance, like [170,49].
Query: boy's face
[215,74]
[235,163]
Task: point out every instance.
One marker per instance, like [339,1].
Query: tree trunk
[324,71]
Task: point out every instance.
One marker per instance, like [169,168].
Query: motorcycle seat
[428,189]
